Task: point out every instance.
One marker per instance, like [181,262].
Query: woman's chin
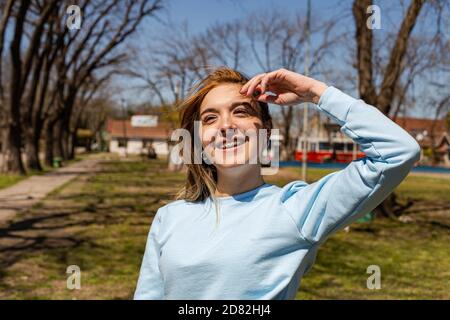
[228,165]
[232,162]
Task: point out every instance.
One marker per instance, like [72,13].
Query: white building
[134,136]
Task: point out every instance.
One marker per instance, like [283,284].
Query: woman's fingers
[256,81]
[250,86]
[268,98]
[245,86]
[260,82]
[266,80]
[289,87]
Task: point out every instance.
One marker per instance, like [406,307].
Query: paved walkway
[30,191]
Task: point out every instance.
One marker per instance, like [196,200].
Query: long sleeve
[321,208]
[150,284]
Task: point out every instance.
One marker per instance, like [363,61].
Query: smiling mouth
[231,144]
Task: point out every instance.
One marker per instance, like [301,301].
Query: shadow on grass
[122,194]
[429,208]
[29,236]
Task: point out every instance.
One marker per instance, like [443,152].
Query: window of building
[122,142]
[339,146]
[349,146]
[324,146]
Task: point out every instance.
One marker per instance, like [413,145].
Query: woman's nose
[226,124]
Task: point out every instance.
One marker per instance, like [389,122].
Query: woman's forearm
[378,136]
[341,197]
[317,88]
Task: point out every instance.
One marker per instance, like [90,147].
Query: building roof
[421,124]
[116,129]
[422,128]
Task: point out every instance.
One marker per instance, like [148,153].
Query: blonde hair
[201,181]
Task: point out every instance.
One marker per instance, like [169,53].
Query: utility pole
[306,105]
[124,115]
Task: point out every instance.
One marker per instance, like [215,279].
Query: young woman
[267,237]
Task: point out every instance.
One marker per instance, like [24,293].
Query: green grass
[104,233]
[426,188]
[414,261]
[416,187]
[100,223]
[414,257]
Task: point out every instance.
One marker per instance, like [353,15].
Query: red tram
[321,151]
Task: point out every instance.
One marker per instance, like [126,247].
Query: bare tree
[20,71]
[392,72]
[403,62]
[6,9]
[83,106]
[51,66]
[94,51]
[275,41]
[226,44]
[172,64]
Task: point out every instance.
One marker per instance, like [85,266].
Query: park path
[24,194]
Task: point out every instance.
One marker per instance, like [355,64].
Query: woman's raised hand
[288,88]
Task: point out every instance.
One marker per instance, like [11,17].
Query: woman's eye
[241,112]
[208,119]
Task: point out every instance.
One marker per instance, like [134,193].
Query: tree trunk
[13,160]
[58,140]
[392,72]
[49,144]
[3,143]
[65,143]
[63,131]
[32,150]
[73,140]
[88,144]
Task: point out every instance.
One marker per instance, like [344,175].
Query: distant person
[151,152]
[234,236]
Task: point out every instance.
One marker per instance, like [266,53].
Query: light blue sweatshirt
[268,237]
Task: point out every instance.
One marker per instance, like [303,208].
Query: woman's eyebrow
[244,103]
[209,110]
[241,103]
[233,105]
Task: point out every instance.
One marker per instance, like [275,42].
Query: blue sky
[201,14]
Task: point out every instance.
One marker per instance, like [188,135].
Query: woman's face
[229,126]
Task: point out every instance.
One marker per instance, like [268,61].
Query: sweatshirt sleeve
[331,203]
[150,283]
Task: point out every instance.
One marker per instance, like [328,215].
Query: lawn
[100,223]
